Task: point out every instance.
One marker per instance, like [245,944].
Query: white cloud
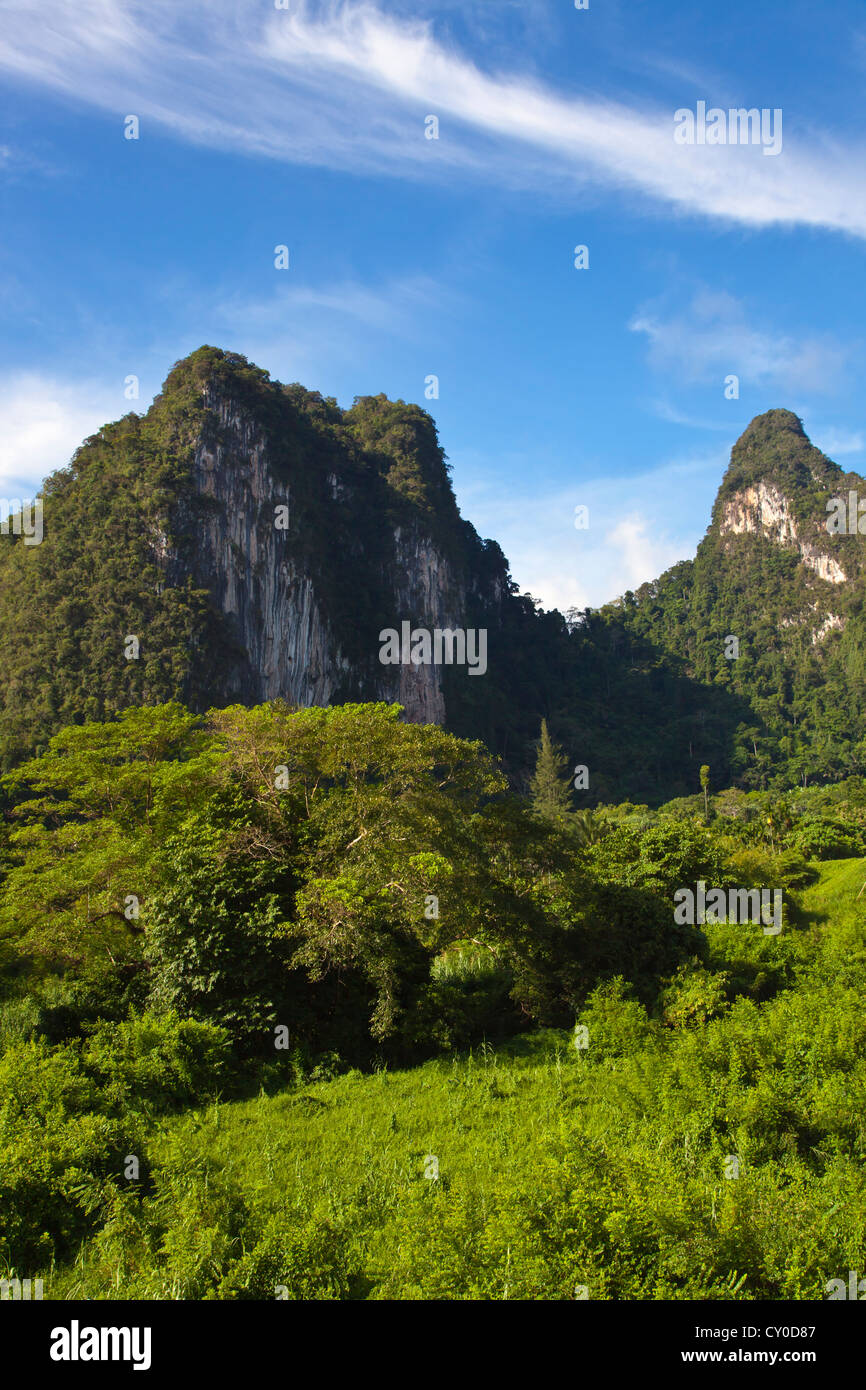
[665,411]
[391,308]
[639,525]
[44,421]
[346,84]
[641,556]
[309,331]
[836,442]
[712,337]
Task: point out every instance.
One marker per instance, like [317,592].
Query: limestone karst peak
[774,452]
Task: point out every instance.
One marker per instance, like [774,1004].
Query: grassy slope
[835,897]
[558,1170]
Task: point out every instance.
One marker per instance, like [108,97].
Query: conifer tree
[551,793]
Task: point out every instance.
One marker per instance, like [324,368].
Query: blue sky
[410,257]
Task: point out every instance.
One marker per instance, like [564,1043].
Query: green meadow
[718,1161]
[285,1078]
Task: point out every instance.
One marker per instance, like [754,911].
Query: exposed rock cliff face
[424,587]
[778,489]
[243,522]
[763,510]
[780,570]
[285,647]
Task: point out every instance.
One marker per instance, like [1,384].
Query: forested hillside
[254,539]
[771,575]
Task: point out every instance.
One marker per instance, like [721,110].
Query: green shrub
[825,838]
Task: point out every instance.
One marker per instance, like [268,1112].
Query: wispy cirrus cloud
[395,307]
[713,337]
[346,84]
[321,333]
[665,411]
[837,442]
